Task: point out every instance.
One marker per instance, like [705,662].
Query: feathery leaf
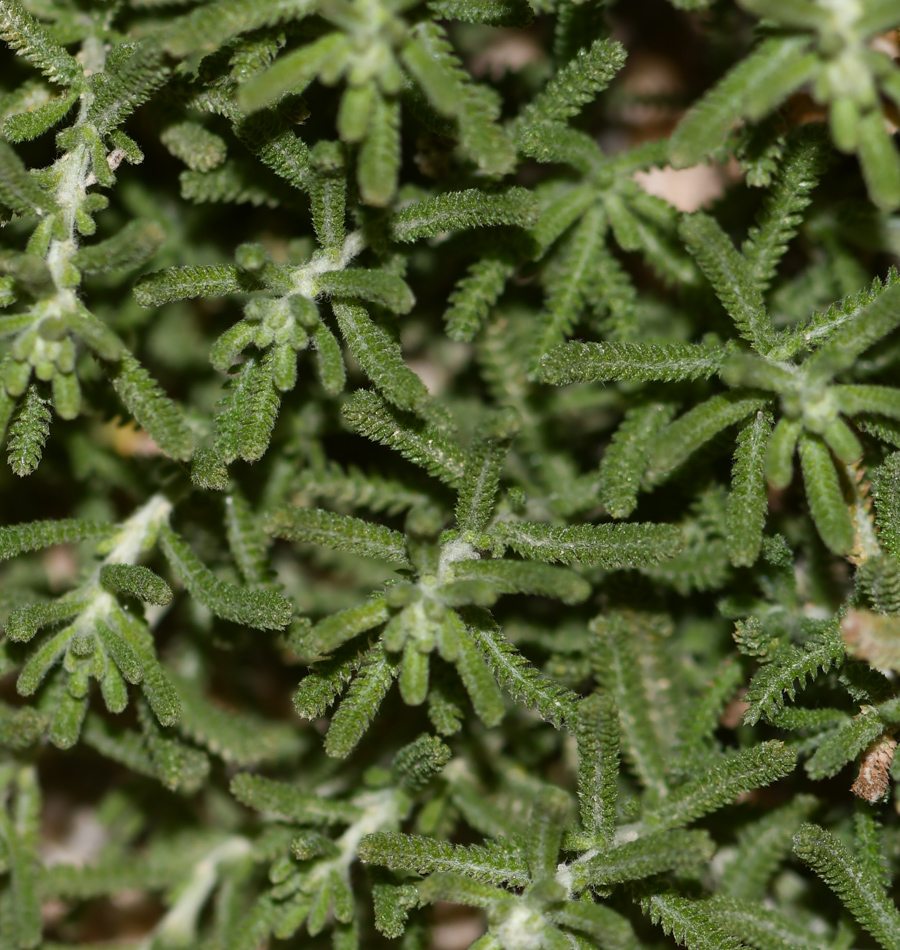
[288,803]
[461,210]
[625,459]
[688,922]
[495,862]
[617,661]
[526,684]
[760,926]
[151,408]
[707,123]
[510,13]
[681,438]
[768,687]
[373,286]
[262,609]
[359,706]
[211,25]
[34,535]
[781,214]
[870,323]
[843,744]
[612,546]
[155,683]
[28,433]
[247,541]
[597,733]
[747,500]
[761,847]
[380,357]
[525,577]
[136,243]
[18,189]
[829,511]
[340,532]
[336,629]
[27,37]
[861,893]
[475,294]
[20,834]
[184,283]
[29,125]
[478,490]
[602,362]
[24,622]
[728,777]
[651,854]
[432,62]
[424,445]
[576,84]
[731,276]
[138,581]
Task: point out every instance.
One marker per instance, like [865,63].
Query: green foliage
[522,681]
[687,922]
[369,342]
[620,639]
[765,927]
[576,84]
[28,433]
[598,761]
[556,896]
[474,296]
[240,739]
[789,665]
[32,536]
[811,408]
[339,532]
[729,274]
[747,500]
[138,581]
[262,609]
[729,777]
[424,445]
[153,290]
[611,546]
[599,362]
[478,492]
[782,213]
[151,408]
[843,744]
[17,189]
[862,892]
[456,211]
[380,358]
[25,35]
[818,48]
[759,853]
[369,112]
[20,834]
[826,502]
[497,862]
[654,854]
[134,245]
[624,461]
[358,708]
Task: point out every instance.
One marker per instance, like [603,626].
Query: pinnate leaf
[262,609]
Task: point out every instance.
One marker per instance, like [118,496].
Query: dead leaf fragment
[875,769]
[873,637]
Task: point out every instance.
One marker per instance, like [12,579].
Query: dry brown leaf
[875,769]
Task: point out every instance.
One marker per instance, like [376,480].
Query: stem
[179,926]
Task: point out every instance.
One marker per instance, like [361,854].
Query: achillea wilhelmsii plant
[377,345]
